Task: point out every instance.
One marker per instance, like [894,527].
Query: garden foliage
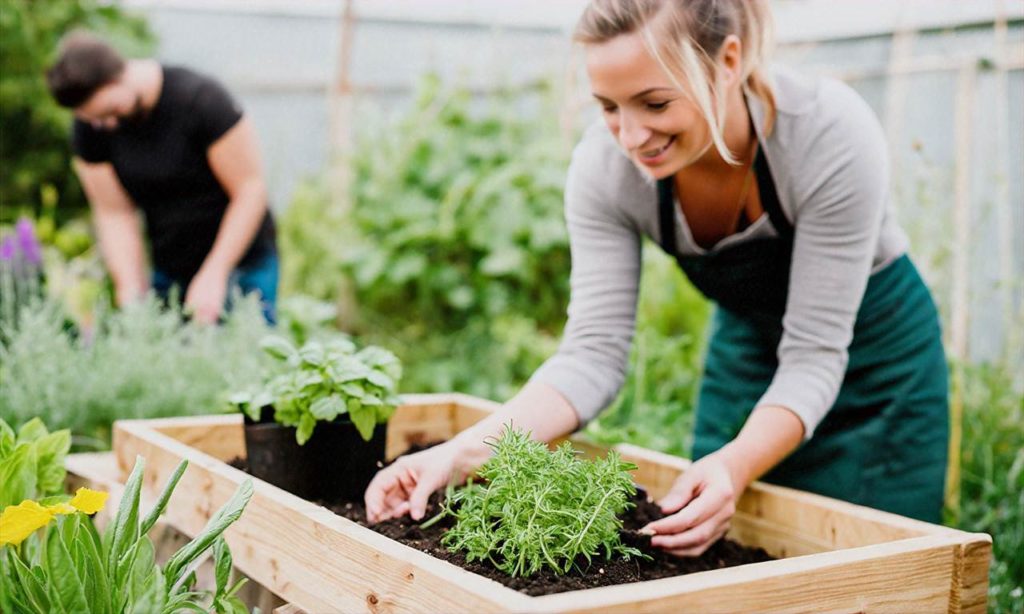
[34,143]
[323,380]
[140,362]
[539,508]
[31,461]
[70,567]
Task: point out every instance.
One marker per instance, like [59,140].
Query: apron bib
[884,443]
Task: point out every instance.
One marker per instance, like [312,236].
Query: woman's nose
[632,134]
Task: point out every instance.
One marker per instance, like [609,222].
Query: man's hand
[206,294]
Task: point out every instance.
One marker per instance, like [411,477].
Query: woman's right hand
[404,486]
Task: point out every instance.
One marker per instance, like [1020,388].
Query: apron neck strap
[766,189]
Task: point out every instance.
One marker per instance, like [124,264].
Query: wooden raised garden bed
[833,556]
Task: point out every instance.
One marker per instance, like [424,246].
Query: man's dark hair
[85,63]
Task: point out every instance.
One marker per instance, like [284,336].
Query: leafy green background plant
[142,362]
[31,461]
[34,147]
[71,568]
[539,508]
[323,380]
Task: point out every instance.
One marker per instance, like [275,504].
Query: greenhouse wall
[945,78]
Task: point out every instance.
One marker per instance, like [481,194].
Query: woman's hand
[701,504]
[703,499]
[404,486]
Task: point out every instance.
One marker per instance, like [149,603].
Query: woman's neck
[739,138]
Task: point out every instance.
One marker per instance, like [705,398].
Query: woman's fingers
[700,534]
[383,494]
[682,492]
[698,510]
[702,547]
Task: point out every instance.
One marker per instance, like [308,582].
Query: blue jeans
[260,276]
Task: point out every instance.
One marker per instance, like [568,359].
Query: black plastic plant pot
[335,464]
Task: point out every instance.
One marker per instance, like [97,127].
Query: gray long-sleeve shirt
[829,161]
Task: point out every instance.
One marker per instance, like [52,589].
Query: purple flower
[28,243]
[8,247]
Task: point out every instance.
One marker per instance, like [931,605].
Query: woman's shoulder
[810,106]
[598,161]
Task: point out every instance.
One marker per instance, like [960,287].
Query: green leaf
[63,583]
[124,529]
[31,431]
[277,347]
[219,522]
[305,429]
[221,566]
[327,408]
[165,495]
[353,389]
[364,417]
[51,452]
[18,476]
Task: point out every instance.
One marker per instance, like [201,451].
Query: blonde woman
[825,369]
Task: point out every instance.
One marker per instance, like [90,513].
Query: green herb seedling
[539,508]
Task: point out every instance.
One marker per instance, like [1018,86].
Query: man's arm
[117,226]
[235,161]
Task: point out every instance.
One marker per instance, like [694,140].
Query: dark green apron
[884,442]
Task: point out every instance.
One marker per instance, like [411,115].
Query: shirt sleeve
[838,218]
[88,143]
[215,112]
[589,367]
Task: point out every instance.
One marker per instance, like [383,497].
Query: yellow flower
[19,521]
[89,501]
[61,508]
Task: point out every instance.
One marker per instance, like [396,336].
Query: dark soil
[724,553]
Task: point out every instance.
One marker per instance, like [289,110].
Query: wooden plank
[969,592]
[220,436]
[910,575]
[856,558]
[308,555]
[421,419]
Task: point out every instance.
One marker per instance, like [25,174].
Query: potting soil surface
[601,572]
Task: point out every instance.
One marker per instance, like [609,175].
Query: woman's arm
[585,373]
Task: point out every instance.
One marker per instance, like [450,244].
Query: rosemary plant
[540,508]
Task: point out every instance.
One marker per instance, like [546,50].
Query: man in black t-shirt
[173,144]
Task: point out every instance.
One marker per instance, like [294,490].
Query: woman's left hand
[700,506]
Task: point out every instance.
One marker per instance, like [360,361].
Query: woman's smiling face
[656,124]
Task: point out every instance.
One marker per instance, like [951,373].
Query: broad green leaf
[379,379]
[51,452]
[18,474]
[305,428]
[353,389]
[327,408]
[364,417]
[313,353]
[277,347]
[32,430]
[65,583]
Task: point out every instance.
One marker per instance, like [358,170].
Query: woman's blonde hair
[684,37]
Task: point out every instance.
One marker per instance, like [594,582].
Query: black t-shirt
[162,162]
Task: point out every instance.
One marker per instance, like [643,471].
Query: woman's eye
[608,108]
[657,106]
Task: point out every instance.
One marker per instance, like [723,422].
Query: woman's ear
[730,60]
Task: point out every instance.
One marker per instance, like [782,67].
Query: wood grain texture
[842,557]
